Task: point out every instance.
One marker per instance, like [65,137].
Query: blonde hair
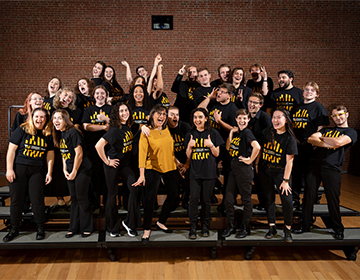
[29,126]
[56,101]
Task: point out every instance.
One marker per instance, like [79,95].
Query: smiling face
[224,74]
[173,118]
[159,119]
[199,120]
[255,72]
[238,76]
[284,81]
[254,105]
[138,96]
[278,120]
[309,94]
[100,96]
[124,114]
[97,69]
[242,121]
[142,72]
[65,98]
[340,117]
[204,78]
[36,101]
[53,86]
[83,87]
[109,73]
[192,74]
[39,119]
[58,121]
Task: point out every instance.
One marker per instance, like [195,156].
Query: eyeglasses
[338,114]
[254,102]
[37,99]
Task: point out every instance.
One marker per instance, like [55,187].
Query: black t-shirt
[178,133]
[140,115]
[162,100]
[216,83]
[258,123]
[19,119]
[75,115]
[32,149]
[97,81]
[90,116]
[286,98]
[307,118]
[69,141]
[83,101]
[184,97]
[241,143]
[228,115]
[246,92]
[200,93]
[121,144]
[274,156]
[203,162]
[48,103]
[333,158]
[257,87]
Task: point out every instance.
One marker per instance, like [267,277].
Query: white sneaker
[129,230]
[114,234]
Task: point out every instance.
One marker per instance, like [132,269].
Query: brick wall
[317,40]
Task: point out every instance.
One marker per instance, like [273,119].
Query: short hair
[242,111]
[258,95]
[223,65]
[102,87]
[156,109]
[230,88]
[340,107]
[314,85]
[257,65]
[206,114]
[242,82]
[287,73]
[137,69]
[115,117]
[172,107]
[191,66]
[203,69]
[56,101]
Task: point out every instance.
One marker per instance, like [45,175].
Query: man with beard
[325,166]
[261,83]
[224,72]
[178,130]
[184,91]
[259,120]
[286,96]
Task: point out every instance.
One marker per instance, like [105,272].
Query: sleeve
[17,136]
[50,143]
[198,97]
[107,85]
[76,138]
[86,115]
[109,136]
[216,138]
[232,115]
[353,135]
[187,139]
[19,119]
[176,84]
[143,150]
[291,147]
[249,136]
[324,117]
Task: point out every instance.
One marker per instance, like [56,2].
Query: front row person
[243,149]
[30,151]
[202,144]
[156,160]
[279,146]
[325,166]
[77,170]
[119,139]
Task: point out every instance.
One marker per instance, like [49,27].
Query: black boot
[271,233]
[14,231]
[287,234]
[40,232]
[192,232]
[243,232]
[205,228]
[230,229]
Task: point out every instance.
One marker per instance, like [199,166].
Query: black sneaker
[14,231]
[271,233]
[40,235]
[287,235]
[243,233]
[229,231]
[192,232]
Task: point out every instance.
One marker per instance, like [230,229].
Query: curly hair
[146,101]
[115,116]
[57,103]
[90,85]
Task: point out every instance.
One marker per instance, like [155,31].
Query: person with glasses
[325,166]
[308,118]
[156,161]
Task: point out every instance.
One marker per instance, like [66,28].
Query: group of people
[89,137]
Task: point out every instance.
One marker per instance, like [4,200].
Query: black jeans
[133,218]
[240,180]
[268,178]
[207,186]
[32,177]
[152,181]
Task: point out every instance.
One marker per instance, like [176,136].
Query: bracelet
[286,180]
[265,81]
[212,146]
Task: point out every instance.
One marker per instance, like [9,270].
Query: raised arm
[157,60]
[128,71]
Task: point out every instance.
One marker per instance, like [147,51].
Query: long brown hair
[68,125]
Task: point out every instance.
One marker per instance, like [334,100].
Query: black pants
[207,186]
[98,182]
[152,181]
[81,216]
[32,177]
[268,178]
[240,180]
[133,218]
[332,182]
